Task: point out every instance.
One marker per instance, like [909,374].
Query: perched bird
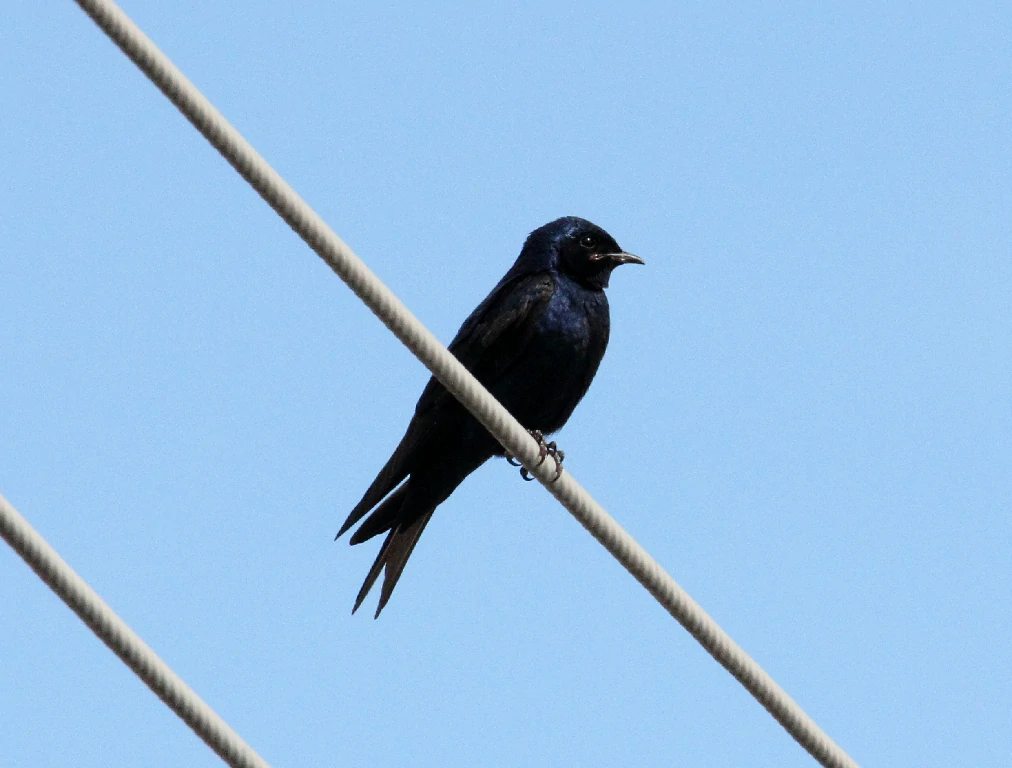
[535,343]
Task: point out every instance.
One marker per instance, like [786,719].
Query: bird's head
[576,247]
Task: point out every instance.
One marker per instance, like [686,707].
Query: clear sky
[804,414]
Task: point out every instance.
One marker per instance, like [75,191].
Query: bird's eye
[588,241]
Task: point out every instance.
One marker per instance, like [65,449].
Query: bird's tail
[404,513]
[393,555]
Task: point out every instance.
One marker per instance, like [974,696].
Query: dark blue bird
[535,343]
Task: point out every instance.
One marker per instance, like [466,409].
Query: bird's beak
[624,258]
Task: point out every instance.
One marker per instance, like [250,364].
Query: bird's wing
[487,343]
[495,334]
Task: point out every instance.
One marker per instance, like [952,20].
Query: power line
[311,228]
[123,641]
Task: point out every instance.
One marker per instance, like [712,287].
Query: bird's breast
[566,324]
[562,357]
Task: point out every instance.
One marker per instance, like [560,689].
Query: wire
[311,228]
[123,641]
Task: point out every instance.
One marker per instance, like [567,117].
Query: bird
[535,343]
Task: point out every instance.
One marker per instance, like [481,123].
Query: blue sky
[804,413]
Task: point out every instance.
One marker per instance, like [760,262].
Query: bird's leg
[544,450]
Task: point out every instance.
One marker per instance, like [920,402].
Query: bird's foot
[544,450]
[559,455]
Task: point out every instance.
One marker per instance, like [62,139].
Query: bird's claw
[544,450]
[559,456]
